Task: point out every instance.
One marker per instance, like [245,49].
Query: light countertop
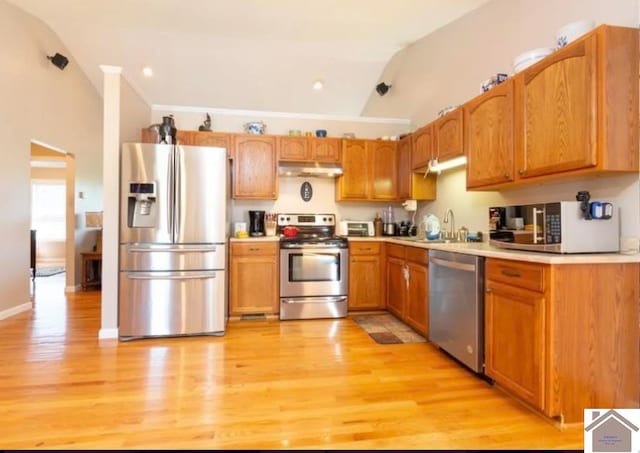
[484,249]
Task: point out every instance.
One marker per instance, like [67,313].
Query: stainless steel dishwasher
[456,306]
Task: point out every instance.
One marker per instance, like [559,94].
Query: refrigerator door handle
[170,195]
[169,276]
[171,249]
[177,194]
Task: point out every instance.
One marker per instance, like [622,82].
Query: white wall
[42,103]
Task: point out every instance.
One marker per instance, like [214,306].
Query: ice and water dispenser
[142,207]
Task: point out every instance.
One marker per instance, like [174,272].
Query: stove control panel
[301,220]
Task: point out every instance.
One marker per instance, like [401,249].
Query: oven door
[314,271]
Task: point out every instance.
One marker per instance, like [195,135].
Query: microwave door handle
[535,224]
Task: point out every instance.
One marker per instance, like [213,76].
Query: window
[48,207]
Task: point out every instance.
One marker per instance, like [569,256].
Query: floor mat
[387,329]
[49,271]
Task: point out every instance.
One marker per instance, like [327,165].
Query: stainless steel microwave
[558,227]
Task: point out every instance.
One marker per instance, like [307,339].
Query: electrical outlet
[629,245]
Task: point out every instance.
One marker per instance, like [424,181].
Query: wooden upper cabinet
[489,137]
[309,149]
[325,149]
[557,109]
[448,133]
[354,183]
[577,109]
[254,167]
[404,168]
[423,145]
[383,159]
[293,148]
[203,138]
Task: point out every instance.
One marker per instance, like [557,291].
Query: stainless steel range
[314,267]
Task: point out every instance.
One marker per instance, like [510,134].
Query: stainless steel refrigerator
[173,231]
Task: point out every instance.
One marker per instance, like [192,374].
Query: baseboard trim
[4,314]
[72,289]
[108,334]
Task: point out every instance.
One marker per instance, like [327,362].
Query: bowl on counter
[321,133]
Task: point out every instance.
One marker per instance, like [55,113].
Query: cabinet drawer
[254,248]
[517,273]
[395,250]
[364,248]
[417,255]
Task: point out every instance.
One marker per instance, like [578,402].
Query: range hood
[317,169]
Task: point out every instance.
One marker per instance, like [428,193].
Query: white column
[110,181]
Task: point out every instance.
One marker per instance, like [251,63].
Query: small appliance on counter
[557,227]
[256,223]
[389,226]
[356,228]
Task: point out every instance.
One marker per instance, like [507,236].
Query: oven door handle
[312,300]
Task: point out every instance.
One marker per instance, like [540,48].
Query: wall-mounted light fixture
[59,61]
[382,88]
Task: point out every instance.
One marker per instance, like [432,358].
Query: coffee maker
[256,223]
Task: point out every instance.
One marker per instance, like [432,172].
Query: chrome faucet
[449,219]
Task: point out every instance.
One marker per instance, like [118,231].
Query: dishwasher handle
[453,264]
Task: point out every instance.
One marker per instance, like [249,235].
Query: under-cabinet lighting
[453,163]
[317,85]
[436,167]
[147,71]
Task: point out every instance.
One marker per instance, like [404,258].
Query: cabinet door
[448,134]
[354,183]
[202,138]
[396,286]
[404,168]
[489,137]
[326,149]
[514,340]
[254,167]
[423,144]
[556,112]
[253,278]
[293,149]
[383,160]
[417,310]
[365,282]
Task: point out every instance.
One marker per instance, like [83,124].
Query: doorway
[52,216]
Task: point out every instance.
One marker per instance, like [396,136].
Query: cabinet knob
[506,176]
[488,290]
[521,172]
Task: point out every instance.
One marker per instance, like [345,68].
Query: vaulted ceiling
[245,54]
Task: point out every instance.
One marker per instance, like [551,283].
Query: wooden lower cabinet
[366,276]
[254,278]
[514,341]
[564,337]
[407,280]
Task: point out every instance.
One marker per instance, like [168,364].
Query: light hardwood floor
[321,384]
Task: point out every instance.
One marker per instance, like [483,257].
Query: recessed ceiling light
[147,71]
[317,85]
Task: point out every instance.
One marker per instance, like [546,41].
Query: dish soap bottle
[377,225]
